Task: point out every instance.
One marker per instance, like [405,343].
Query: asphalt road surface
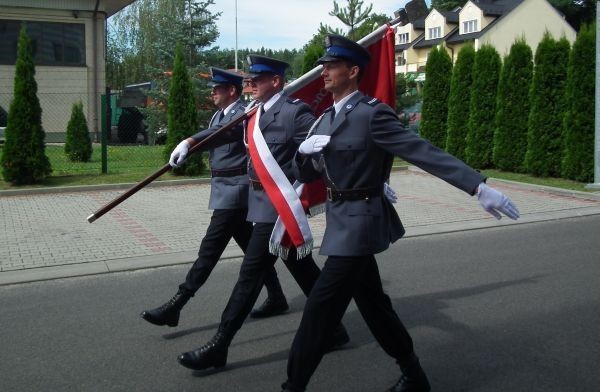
[513,308]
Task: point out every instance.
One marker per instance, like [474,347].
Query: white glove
[494,202]
[314,144]
[179,153]
[389,193]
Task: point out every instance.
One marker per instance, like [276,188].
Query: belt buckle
[329,196]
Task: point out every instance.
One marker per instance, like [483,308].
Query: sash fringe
[302,251]
[316,210]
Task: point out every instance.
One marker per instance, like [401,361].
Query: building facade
[68,39]
[495,22]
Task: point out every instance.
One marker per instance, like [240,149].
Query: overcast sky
[281,24]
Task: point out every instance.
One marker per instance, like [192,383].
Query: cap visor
[326,59]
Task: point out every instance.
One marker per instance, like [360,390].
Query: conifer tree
[24,159]
[482,108]
[547,100]
[578,133]
[510,136]
[182,116]
[78,145]
[459,101]
[438,72]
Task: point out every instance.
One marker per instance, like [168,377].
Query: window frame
[43,39]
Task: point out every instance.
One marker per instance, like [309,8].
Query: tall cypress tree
[547,99]
[482,108]
[510,136]
[578,133]
[438,71]
[459,101]
[182,118]
[78,146]
[24,159]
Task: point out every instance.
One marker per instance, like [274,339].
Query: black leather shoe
[212,354]
[413,378]
[167,314]
[340,338]
[271,307]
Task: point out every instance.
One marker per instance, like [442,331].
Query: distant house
[478,22]
[68,38]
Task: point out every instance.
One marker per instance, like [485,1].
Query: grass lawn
[126,164]
[130,164]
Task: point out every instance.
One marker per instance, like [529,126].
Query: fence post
[106,130]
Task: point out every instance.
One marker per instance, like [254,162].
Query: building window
[435,32]
[400,60]
[52,43]
[403,38]
[470,26]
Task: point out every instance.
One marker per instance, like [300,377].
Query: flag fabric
[379,81]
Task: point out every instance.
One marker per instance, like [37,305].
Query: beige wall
[435,19]
[530,19]
[60,87]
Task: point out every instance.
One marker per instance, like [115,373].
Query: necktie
[221,115]
[332,113]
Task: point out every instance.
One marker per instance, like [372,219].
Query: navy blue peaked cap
[222,77]
[262,64]
[342,48]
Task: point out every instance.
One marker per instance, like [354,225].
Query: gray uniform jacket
[365,137]
[284,126]
[228,192]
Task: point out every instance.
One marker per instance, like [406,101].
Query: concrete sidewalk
[45,235]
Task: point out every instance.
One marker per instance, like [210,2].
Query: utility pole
[596,184]
[236,38]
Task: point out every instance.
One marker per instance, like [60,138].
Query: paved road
[513,308]
[46,236]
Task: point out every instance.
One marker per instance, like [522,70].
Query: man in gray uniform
[229,202]
[352,148]
[284,125]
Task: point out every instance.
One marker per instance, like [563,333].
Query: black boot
[271,307]
[340,338]
[275,304]
[413,377]
[212,354]
[168,314]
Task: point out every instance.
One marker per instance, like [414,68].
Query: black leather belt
[353,194]
[256,185]
[236,171]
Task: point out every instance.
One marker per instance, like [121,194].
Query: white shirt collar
[267,105]
[338,105]
[228,108]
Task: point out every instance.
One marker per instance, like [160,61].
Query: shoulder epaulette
[370,100]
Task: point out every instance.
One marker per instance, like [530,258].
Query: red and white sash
[282,194]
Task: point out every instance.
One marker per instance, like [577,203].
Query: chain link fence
[134,128]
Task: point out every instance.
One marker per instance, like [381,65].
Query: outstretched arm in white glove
[179,154]
[496,202]
[389,193]
[314,144]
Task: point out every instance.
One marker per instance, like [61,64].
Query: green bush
[547,100]
[459,101]
[510,136]
[482,108]
[24,160]
[78,145]
[578,131]
[182,118]
[438,71]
